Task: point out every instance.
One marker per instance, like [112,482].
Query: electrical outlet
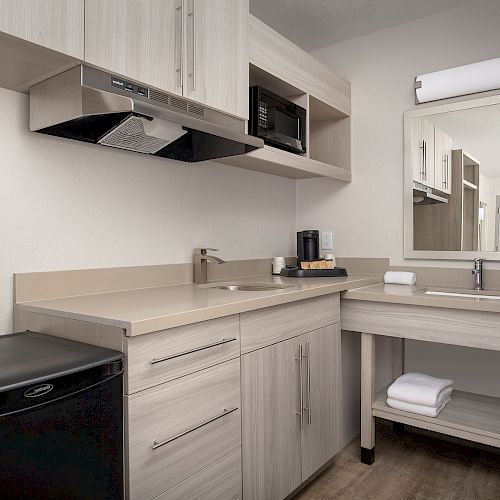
[326,240]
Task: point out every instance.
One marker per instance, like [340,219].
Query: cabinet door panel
[136,39]
[442,161]
[321,435]
[217,54]
[271,426]
[56,24]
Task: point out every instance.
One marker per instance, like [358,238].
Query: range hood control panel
[129,86]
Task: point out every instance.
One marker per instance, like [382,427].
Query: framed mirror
[452,180]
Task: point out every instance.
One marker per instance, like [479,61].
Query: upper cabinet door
[217,54]
[321,435]
[140,40]
[55,24]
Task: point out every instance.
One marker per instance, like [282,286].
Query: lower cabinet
[291,412]
[178,428]
[219,481]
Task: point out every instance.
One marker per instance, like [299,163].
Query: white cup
[278,264]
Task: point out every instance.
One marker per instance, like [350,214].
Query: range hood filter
[142,134]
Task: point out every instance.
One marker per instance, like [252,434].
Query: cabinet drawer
[177,428]
[219,481]
[162,356]
[275,324]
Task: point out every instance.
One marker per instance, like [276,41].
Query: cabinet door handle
[443,170]
[425,160]
[308,407]
[225,411]
[179,10]
[447,171]
[193,40]
[301,402]
[189,351]
[423,171]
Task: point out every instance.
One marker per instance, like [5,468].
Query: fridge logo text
[38,390]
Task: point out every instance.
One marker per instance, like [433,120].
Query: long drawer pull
[225,412]
[196,349]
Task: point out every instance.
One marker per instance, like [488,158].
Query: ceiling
[314,24]
[477,131]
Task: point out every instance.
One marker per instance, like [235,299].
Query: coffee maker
[307,245]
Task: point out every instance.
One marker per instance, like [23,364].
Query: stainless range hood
[89,105]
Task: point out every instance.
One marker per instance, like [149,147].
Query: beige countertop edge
[187,317]
[410,295]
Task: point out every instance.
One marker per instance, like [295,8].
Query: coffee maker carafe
[307,245]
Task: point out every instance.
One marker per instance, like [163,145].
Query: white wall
[367,215]
[69,205]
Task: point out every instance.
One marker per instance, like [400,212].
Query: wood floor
[410,466]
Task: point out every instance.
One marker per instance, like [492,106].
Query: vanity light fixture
[462,80]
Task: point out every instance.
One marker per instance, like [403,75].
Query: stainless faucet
[200,259]
[478,274]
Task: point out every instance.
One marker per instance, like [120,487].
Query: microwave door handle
[271,118]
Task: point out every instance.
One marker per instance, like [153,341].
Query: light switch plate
[326,240]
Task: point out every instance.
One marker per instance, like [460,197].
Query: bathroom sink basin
[250,287]
[472,294]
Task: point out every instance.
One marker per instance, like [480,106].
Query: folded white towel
[420,389]
[428,411]
[400,278]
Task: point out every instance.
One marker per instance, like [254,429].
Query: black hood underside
[193,146]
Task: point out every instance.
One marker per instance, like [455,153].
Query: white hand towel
[428,411]
[420,389]
[400,278]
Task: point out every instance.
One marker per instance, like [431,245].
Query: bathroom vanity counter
[420,296]
[145,310]
[407,312]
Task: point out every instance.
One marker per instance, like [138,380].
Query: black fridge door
[70,447]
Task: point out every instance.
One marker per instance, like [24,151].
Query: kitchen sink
[472,294]
[250,287]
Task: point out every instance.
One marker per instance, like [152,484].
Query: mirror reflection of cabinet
[423,152]
[452,225]
[431,156]
[442,161]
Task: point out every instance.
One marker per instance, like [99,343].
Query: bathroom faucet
[478,274]
[200,259]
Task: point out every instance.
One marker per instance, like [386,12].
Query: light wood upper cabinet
[55,24]
[217,54]
[194,48]
[321,435]
[442,161]
[139,39]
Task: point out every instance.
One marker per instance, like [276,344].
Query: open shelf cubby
[328,137]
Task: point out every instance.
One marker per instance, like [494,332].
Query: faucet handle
[203,251]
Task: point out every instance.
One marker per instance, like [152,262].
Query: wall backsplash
[68,205]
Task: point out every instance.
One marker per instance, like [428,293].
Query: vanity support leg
[367,398]
[398,357]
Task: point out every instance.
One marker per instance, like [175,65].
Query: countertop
[146,310]
[406,294]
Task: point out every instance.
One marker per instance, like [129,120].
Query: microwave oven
[276,120]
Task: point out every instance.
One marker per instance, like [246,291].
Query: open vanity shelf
[467,416]
[283,68]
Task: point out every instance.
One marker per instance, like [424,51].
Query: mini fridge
[61,419]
